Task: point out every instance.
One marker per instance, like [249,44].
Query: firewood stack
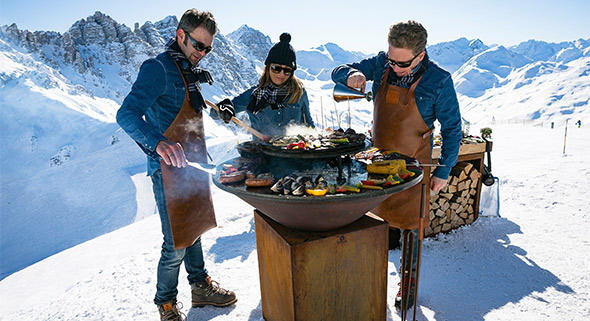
[454,204]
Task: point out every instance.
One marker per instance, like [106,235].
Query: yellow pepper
[317,192]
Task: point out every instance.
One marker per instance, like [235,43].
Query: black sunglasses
[277,69]
[199,46]
[404,64]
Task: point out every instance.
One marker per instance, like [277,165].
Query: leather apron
[398,126]
[187,190]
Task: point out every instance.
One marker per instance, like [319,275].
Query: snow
[528,264]
[78,223]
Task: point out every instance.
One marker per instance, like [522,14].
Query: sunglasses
[199,46]
[404,64]
[277,69]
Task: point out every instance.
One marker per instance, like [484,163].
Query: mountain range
[65,161]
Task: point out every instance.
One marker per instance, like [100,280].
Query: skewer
[322,112]
[337,117]
[333,125]
[349,121]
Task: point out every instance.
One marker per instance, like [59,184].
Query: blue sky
[354,25]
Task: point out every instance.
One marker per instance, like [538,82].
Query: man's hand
[172,153]
[226,110]
[357,80]
[436,184]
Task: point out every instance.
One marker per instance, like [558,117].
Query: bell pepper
[394,179]
[299,145]
[372,181]
[363,186]
[404,173]
[317,192]
[368,183]
[348,188]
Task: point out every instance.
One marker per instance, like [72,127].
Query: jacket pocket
[179,92]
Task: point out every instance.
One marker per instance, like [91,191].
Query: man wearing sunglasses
[411,92]
[163,114]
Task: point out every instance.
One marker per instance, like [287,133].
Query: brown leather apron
[188,195]
[398,126]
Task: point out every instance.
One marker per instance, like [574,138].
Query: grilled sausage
[261,180]
[234,177]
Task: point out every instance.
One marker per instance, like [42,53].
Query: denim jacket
[271,122]
[435,97]
[157,94]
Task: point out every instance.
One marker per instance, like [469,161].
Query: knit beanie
[282,53]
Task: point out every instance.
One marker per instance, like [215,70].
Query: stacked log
[454,204]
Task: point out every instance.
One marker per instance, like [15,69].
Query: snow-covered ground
[529,264]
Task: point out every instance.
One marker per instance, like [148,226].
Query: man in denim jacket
[147,112]
[411,92]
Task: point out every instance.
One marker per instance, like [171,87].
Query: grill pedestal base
[335,275]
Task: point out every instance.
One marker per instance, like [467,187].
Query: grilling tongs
[240,123]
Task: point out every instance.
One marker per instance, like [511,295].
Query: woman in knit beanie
[279,99]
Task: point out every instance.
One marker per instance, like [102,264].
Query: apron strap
[412,88]
[187,95]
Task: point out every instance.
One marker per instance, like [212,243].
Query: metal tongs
[209,168]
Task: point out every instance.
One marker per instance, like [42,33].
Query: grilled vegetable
[348,188]
[317,192]
[386,167]
[363,186]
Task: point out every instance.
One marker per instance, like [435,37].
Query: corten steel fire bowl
[313,213]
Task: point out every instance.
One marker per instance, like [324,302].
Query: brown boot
[169,311]
[208,292]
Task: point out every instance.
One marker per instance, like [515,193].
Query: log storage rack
[457,204]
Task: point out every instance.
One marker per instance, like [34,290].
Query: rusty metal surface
[313,213]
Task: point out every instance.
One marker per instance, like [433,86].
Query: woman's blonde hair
[294,84]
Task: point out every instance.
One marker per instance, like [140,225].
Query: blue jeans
[170,259]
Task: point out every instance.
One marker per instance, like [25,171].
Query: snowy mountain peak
[453,54]
[252,40]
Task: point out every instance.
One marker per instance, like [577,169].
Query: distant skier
[579,123]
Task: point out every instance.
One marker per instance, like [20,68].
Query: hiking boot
[169,311]
[398,297]
[208,292]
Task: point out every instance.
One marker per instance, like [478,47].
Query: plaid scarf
[193,75]
[407,81]
[272,94]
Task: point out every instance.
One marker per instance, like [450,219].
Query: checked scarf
[271,94]
[193,75]
[407,81]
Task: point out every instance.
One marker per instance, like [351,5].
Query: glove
[226,110]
